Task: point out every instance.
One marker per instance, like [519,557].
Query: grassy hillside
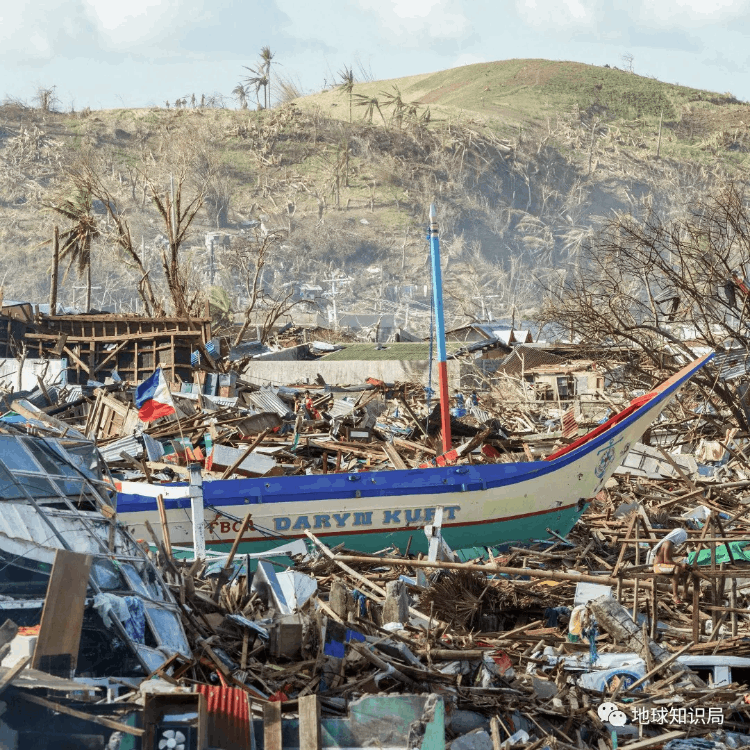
[529,93]
[523,157]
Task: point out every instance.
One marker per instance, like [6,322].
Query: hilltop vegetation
[524,158]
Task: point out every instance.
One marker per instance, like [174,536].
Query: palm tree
[266,56]
[395,100]
[346,76]
[372,103]
[76,241]
[257,79]
[240,94]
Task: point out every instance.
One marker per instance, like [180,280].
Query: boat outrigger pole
[437,291]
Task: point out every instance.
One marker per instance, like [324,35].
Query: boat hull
[482,504]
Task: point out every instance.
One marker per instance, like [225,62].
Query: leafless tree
[178,214]
[46,98]
[657,287]
[249,260]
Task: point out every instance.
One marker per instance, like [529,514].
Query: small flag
[195,359]
[211,349]
[153,399]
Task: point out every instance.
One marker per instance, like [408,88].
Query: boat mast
[437,291]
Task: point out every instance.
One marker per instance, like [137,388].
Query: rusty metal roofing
[228,716]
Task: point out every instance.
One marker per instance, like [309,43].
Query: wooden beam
[393,455]
[309,723]
[553,575]
[653,741]
[272,726]
[676,467]
[13,672]
[658,667]
[77,360]
[111,355]
[62,709]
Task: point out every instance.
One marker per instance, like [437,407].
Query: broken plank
[395,458]
[309,723]
[56,649]
[62,709]
[653,741]
[272,726]
[13,672]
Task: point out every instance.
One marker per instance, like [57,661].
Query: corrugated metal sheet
[266,400]
[341,407]
[255,463]
[228,717]
[132,445]
[187,402]
[220,401]
[74,393]
[733,364]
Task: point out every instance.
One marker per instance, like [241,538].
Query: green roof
[405,351]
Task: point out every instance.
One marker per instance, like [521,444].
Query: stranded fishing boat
[481,505]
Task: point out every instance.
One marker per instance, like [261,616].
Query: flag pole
[437,285]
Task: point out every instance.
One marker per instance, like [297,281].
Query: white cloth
[107,605]
[676,536]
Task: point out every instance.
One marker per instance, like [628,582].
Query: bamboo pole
[164,524]
[553,575]
[531,572]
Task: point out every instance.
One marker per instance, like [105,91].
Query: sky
[106,54]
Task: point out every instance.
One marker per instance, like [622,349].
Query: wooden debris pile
[495,636]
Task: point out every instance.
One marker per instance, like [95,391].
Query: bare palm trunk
[55,268]
[88,287]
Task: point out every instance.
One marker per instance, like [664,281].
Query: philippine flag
[153,399]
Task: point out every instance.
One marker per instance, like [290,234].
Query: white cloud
[35,32]
[138,22]
[556,13]
[671,15]
[684,14]
[412,20]
[414,8]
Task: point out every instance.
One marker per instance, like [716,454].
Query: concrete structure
[343,372]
